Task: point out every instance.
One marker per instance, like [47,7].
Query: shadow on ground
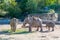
[20,32]
[3,32]
[10,33]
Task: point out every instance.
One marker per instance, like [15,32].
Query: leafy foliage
[21,8]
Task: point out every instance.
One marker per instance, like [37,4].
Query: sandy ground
[55,35]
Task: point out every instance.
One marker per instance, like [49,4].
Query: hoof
[48,30]
[41,30]
[52,30]
[37,30]
[30,31]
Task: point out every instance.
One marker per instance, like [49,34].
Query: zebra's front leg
[30,29]
[37,28]
[41,29]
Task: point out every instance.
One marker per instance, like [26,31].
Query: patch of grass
[18,31]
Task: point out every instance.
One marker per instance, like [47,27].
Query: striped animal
[33,22]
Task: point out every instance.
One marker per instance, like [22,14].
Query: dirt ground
[55,35]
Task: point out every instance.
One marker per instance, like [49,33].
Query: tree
[31,5]
[21,8]
[12,7]
[27,6]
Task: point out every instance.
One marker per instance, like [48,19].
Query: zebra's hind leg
[41,29]
[48,28]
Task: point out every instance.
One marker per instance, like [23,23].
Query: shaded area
[45,31]
[4,21]
[24,32]
[4,32]
[8,32]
